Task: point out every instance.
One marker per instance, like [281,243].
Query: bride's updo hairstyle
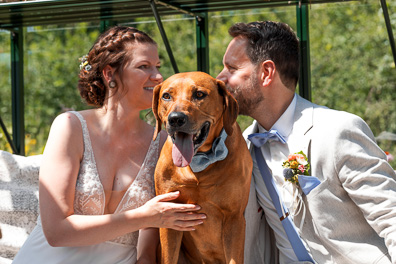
[112,48]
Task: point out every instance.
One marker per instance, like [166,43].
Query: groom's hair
[275,41]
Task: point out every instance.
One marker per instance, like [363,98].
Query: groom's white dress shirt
[275,153]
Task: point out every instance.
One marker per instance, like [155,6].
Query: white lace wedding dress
[90,200]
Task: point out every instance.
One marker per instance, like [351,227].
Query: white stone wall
[18,201]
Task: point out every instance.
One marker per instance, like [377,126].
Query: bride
[96,178]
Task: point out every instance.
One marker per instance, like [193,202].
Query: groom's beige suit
[351,216]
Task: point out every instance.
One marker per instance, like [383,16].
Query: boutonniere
[296,164]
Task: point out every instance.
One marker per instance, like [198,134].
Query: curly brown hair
[111,48]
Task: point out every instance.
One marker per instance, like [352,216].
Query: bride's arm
[147,245]
[58,175]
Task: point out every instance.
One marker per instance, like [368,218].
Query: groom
[349,213]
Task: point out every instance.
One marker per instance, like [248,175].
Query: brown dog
[194,107]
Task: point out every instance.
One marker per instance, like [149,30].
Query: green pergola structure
[16,15]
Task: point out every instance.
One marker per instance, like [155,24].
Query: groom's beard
[248,95]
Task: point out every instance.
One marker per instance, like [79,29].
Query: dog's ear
[231,108]
[158,122]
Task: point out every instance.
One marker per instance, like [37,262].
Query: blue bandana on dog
[219,151]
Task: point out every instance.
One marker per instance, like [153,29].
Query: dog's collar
[219,151]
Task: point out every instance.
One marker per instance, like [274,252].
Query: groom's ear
[267,72]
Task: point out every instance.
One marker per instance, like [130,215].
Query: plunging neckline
[100,181]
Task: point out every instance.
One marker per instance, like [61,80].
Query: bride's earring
[112,84]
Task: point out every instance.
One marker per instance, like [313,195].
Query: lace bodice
[90,196]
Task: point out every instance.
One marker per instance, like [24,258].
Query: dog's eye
[166,96]
[199,95]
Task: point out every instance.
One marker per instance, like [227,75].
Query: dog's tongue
[183,149]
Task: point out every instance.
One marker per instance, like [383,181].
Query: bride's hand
[165,214]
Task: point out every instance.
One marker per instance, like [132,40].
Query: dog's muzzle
[177,120]
[186,140]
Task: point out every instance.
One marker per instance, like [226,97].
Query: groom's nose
[222,76]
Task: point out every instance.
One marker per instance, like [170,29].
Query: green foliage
[51,75]
[352,67]
[50,79]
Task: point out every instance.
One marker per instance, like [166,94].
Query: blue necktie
[288,225]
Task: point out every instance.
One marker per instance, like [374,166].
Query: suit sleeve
[367,177]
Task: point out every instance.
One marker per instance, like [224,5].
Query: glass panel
[51,73]
[352,64]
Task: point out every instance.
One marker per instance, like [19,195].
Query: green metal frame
[14,16]
[389,28]
[304,82]
[18,124]
[164,37]
[8,137]
[202,43]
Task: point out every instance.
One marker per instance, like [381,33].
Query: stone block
[19,201]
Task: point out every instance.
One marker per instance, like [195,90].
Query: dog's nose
[177,119]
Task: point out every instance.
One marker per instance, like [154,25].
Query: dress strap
[86,139]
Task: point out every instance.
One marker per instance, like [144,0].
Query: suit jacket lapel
[300,139]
